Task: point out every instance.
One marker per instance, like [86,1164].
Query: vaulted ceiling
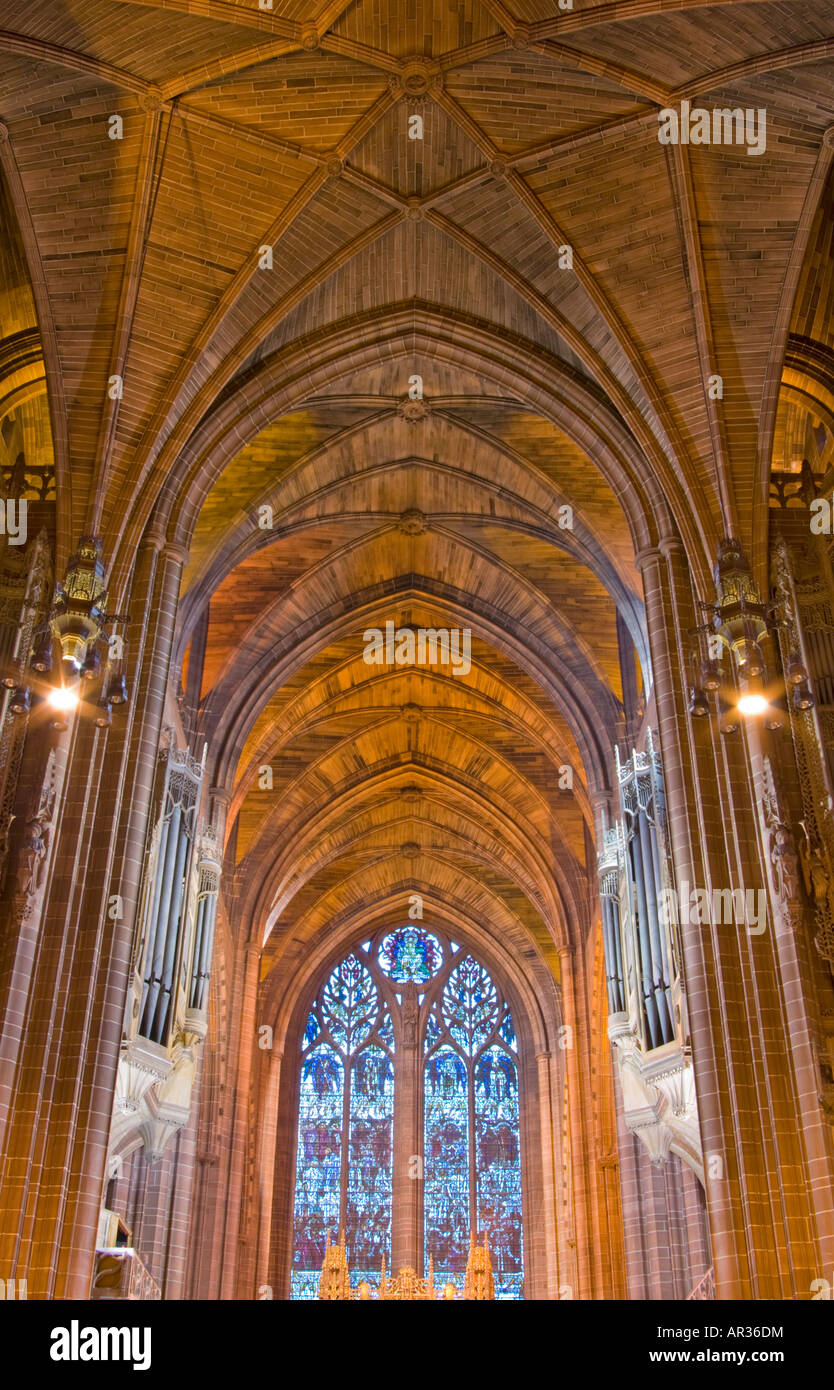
[266,260]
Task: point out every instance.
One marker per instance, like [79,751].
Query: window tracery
[408,1011]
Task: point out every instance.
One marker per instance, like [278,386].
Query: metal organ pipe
[643,935]
[663,929]
[168,911]
[637,848]
[613,954]
[171,937]
[156,949]
[206,948]
[660,982]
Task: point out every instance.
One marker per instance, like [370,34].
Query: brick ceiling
[287,386]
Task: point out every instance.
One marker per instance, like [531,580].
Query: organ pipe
[634,873]
[168,914]
[208,887]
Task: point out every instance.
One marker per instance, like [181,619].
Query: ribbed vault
[265,262]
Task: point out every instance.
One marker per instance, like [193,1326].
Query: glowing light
[752,704]
[62,698]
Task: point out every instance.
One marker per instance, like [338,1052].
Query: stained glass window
[318,1165]
[446,1190]
[497,1163]
[344,1158]
[471,1100]
[470,1005]
[410,954]
[360,1047]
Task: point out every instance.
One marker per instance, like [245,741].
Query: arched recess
[533,996]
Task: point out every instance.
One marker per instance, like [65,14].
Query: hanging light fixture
[76,624]
[117,689]
[739,616]
[728,720]
[752,702]
[795,673]
[104,717]
[42,655]
[698,703]
[92,664]
[79,611]
[20,702]
[738,624]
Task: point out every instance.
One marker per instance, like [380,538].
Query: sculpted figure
[410,1014]
[815,868]
[784,859]
[33,853]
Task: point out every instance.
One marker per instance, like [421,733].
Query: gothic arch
[537,1017]
[286,380]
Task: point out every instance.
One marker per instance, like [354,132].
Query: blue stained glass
[508,1286]
[319,1158]
[371,1159]
[470,1005]
[386,1030]
[497,1159]
[311,1030]
[471,1153]
[507,1031]
[446,1171]
[410,954]
[433,1031]
[304,1284]
[350,1004]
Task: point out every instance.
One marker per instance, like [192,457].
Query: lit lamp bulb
[752,703]
[62,699]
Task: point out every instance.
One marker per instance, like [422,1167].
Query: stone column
[763,1246]
[184,1146]
[548,1130]
[270,1089]
[242,1047]
[576,1057]
[56,1143]
[409,1156]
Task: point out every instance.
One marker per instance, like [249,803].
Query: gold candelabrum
[407,1287]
